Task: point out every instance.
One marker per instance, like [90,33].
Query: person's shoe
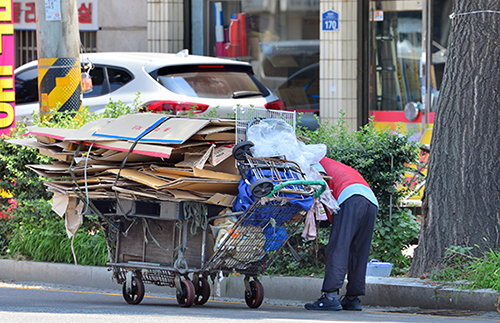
[325,304]
[351,303]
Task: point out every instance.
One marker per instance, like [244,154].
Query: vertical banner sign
[7,63]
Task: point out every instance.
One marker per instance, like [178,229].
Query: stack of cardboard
[140,156]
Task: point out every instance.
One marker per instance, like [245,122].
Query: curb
[386,291]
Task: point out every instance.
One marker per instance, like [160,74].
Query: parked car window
[216,83]
[98,88]
[27,86]
[118,77]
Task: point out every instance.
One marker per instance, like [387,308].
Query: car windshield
[211,83]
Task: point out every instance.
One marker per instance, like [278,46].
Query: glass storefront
[280,38]
[400,81]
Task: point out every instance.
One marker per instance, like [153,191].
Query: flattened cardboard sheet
[222,199]
[62,156]
[119,156]
[65,186]
[222,122]
[139,177]
[214,155]
[30,142]
[185,195]
[220,154]
[163,176]
[131,126]
[140,149]
[142,193]
[197,159]
[175,130]
[221,136]
[214,133]
[84,133]
[195,172]
[54,133]
[204,185]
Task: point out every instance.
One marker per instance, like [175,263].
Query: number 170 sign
[330,21]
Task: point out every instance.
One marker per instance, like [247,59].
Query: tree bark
[461,203]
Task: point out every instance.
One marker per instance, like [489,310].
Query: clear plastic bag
[275,137]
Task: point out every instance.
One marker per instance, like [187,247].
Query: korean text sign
[25,15]
[7,63]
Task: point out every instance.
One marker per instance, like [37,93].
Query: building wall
[338,64]
[123,26]
[165,29]
[131,25]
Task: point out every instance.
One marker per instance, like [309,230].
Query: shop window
[279,38]
[396,37]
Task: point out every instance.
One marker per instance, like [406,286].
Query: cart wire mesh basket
[258,236]
[254,241]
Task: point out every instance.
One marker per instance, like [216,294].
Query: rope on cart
[146,225]
[84,197]
[198,213]
[113,228]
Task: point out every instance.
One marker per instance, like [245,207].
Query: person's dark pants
[349,245]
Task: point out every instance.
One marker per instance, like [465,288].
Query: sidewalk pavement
[387,291]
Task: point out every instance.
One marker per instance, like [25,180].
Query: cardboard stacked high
[140,156]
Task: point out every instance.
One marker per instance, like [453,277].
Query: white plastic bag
[275,137]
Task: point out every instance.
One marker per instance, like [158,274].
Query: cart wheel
[202,291]
[242,149]
[261,187]
[186,296]
[255,295]
[135,295]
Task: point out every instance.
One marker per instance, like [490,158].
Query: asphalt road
[52,303]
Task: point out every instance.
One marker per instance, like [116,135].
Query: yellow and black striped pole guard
[59,83]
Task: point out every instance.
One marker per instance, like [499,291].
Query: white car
[166,82]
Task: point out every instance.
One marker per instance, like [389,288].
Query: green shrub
[39,234]
[459,265]
[16,178]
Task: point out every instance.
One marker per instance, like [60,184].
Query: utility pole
[58,48]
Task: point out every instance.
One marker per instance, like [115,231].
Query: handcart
[168,242]
[164,243]
[257,238]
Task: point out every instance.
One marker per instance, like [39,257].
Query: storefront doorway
[403,36]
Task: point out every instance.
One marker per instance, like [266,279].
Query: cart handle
[300,182]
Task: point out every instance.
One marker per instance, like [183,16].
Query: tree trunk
[461,205]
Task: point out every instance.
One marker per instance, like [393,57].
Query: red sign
[7,63]
[25,15]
